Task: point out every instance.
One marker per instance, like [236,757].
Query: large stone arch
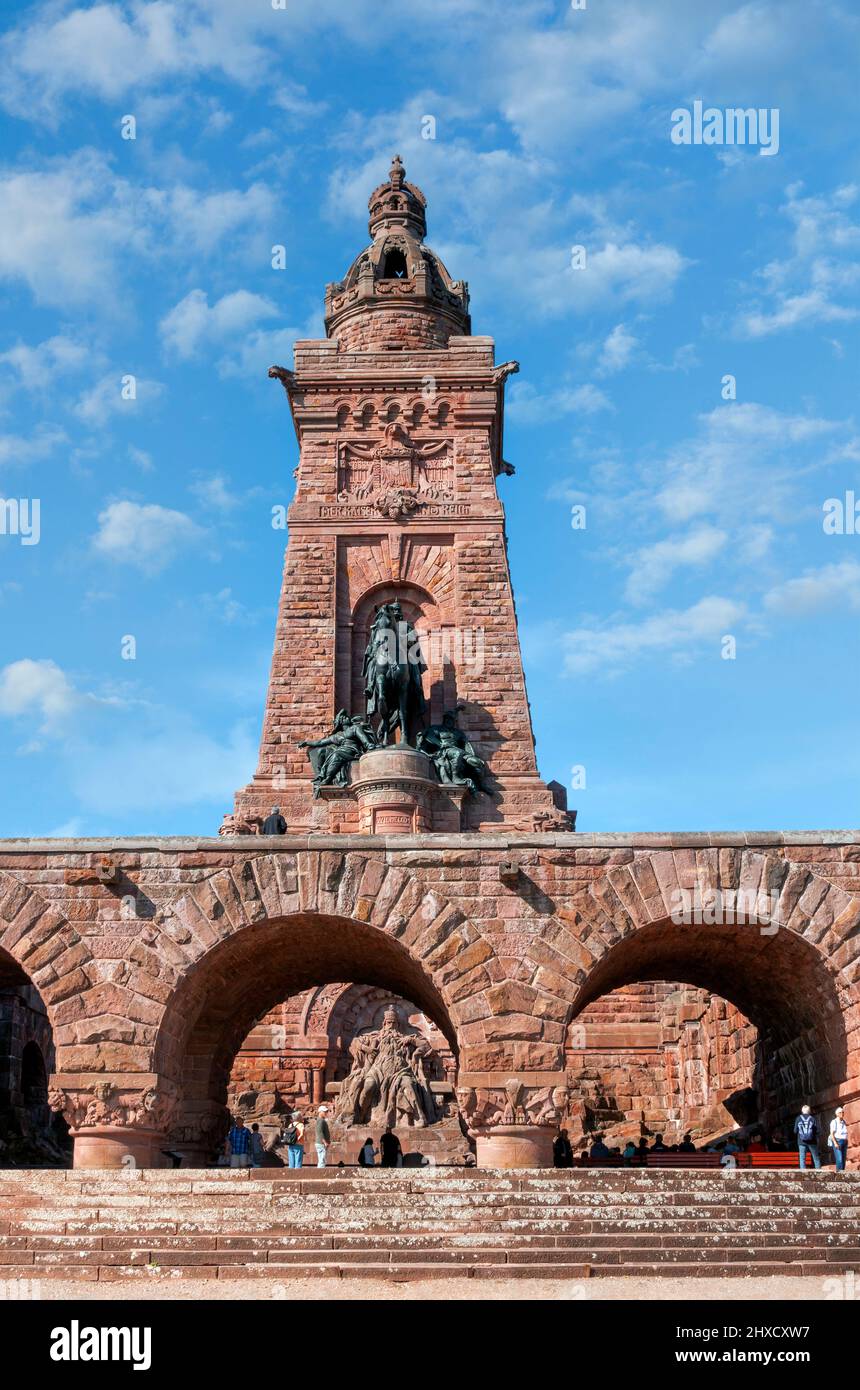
[42,960]
[248,973]
[794,975]
[38,945]
[242,939]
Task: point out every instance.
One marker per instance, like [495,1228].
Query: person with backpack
[806,1130]
[838,1139]
[293,1136]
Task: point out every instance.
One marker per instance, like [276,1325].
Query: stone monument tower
[397,524]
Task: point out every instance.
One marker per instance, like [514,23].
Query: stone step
[729,1245]
[397,1270]
[558,1224]
[400,1225]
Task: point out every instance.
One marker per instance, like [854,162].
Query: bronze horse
[393,667]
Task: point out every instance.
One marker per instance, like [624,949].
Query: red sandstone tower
[399,416]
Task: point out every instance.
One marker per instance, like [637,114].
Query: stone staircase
[158,1224]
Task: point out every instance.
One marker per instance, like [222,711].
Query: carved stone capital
[104,1103]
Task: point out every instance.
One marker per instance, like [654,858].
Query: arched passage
[777,978]
[248,973]
[29,1135]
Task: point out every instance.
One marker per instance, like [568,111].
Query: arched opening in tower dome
[394,265]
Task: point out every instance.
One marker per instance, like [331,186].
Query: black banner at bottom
[220,1338]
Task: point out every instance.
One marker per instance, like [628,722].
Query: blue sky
[152,257]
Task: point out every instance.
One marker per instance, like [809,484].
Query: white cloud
[141,459]
[655,564]
[146,536]
[193,323]
[72,230]
[726,468]
[293,98]
[109,396]
[617,350]
[260,348]
[36,687]
[35,367]
[18,449]
[102,52]
[214,492]
[614,647]
[807,287]
[830,587]
[526,405]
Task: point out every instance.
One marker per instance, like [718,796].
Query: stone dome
[397,293]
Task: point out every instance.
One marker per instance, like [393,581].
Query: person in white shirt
[838,1138]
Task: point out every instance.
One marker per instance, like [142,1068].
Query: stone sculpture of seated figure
[453,756]
[331,756]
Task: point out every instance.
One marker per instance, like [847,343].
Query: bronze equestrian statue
[392,671]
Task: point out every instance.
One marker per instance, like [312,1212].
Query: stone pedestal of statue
[398,793]
[442,1145]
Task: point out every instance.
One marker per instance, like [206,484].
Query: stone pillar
[318,1085]
[515,1146]
[113,1124]
[119,1146]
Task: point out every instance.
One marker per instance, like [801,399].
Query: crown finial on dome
[397,204]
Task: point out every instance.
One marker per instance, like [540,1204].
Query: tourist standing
[274,824]
[390,1147]
[806,1130]
[294,1138]
[838,1139]
[367,1154]
[322,1135]
[239,1145]
[562,1150]
[258,1147]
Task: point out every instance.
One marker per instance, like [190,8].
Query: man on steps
[806,1129]
[322,1135]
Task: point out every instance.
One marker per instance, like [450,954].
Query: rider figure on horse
[392,671]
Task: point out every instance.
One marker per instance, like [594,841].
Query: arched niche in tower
[430,621]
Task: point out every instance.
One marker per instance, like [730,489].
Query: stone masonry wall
[153,965]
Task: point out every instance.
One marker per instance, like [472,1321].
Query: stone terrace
[154,957]
[161,1226]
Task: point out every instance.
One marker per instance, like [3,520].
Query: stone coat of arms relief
[395,475]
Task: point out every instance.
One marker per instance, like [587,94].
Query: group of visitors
[806,1129]
[562,1149]
[389,1150]
[245,1148]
